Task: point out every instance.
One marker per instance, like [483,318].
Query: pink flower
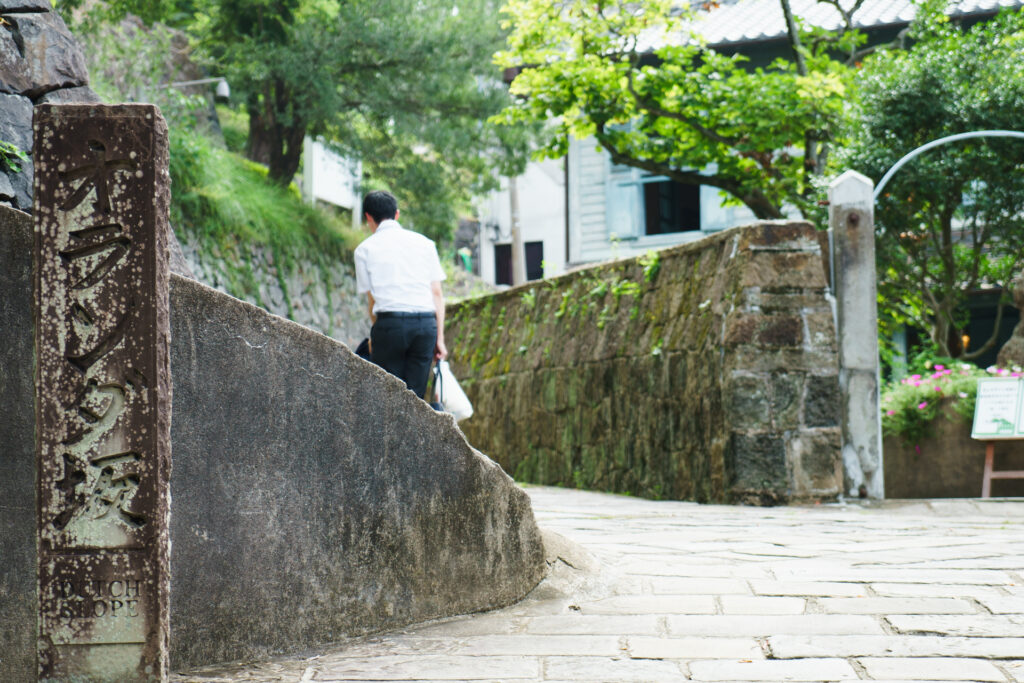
[890,412]
[917,384]
[922,405]
[915,377]
[940,367]
[938,388]
[917,448]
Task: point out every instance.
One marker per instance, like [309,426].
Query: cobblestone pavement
[917,591]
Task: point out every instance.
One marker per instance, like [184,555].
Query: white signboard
[328,177]
[998,412]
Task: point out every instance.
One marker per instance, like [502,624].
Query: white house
[541,192]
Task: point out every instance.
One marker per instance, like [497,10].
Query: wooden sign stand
[990,473]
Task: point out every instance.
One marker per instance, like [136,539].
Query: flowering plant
[911,404]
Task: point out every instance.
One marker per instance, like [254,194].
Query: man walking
[401,274]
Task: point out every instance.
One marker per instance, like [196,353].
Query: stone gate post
[103,392]
[851,221]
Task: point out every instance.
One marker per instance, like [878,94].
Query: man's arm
[440,350]
[369,299]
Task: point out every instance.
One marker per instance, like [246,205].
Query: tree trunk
[271,143]
[259,143]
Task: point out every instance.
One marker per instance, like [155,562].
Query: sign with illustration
[999,411]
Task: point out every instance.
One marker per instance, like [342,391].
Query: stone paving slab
[921,591]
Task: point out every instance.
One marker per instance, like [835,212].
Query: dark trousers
[403,344]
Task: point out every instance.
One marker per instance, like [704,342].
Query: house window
[503,264]
[534,260]
[640,204]
[670,207]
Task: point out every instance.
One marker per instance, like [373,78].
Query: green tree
[404,85]
[636,78]
[952,220]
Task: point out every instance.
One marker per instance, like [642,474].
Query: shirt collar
[387,224]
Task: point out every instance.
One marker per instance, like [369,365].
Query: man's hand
[440,350]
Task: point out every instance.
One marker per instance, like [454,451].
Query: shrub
[910,405]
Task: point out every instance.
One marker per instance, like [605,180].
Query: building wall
[541,191]
[601,217]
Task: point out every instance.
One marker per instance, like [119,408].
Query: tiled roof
[746,21]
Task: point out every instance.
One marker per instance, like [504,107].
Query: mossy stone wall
[704,372]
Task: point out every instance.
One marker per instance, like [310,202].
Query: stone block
[562,669]
[744,604]
[641,647]
[821,401]
[757,462]
[872,605]
[821,329]
[772,670]
[16,121]
[780,331]
[816,470]
[786,389]
[764,626]
[967,625]
[792,647]
[24,6]
[38,54]
[783,270]
[935,669]
[782,236]
[594,624]
[749,403]
[807,588]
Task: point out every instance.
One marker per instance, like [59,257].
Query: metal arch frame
[941,141]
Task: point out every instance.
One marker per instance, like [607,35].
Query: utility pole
[518,253]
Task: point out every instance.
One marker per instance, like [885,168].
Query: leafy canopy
[952,220]
[633,75]
[406,86]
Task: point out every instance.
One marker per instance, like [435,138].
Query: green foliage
[651,263]
[402,85]
[910,405]
[225,202]
[11,157]
[621,288]
[234,125]
[684,110]
[952,220]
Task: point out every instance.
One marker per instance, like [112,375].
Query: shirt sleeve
[362,274]
[436,271]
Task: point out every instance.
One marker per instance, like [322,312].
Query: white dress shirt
[397,266]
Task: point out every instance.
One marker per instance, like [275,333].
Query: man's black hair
[380,205]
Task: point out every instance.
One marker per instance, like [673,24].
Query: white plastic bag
[449,394]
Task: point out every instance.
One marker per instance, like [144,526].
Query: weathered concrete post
[103,392]
[851,220]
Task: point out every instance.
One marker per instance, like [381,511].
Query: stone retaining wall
[703,372]
[312,496]
[320,297]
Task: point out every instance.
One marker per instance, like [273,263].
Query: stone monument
[103,391]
